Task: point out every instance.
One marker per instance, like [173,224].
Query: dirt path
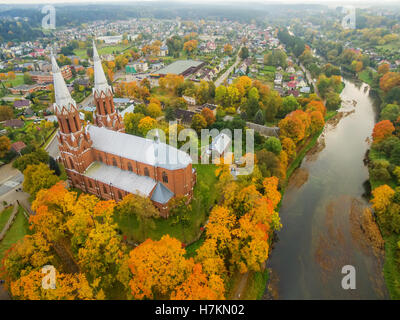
[238,292]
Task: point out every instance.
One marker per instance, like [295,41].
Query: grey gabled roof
[122,179]
[161,194]
[138,148]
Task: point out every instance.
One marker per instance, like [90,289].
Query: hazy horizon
[326,2]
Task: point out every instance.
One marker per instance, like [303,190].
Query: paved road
[86,102]
[12,183]
[223,77]
[310,79]
[52,147]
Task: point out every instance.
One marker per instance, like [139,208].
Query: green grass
[391,267]
[17,231]
[269,69]
[19,80]
[365,77]
[102,50]
[255,286]
[204,197]
[4,216]
[300,155]
[330,114]
[192,248]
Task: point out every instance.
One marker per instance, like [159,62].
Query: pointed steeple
[62,96]
[100,80]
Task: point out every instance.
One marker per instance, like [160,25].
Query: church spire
[100,80]
[63,98]
[106,114]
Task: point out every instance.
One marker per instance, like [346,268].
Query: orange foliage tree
[389,81]
[382,130]
[158,267]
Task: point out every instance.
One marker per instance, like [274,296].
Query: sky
[330,2]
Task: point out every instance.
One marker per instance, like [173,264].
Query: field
[117,48]
[19,80]
[365,77]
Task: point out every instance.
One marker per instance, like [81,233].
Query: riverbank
[257,282]
[321,209]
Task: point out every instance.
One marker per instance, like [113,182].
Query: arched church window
[100,158]
[104,189]
[146,172]
[114,162]
[164,177]
[69,126]
[76,123]
[130,167]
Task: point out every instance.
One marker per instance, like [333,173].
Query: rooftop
[180,66]
[121,179]
[138,148]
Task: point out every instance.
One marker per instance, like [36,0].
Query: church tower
[106,115]
[74,141]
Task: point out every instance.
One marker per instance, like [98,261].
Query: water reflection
[323,212]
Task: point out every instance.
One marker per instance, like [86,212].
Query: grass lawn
[255,286]
[17,231]
[204,197]
[365,77]
[391,270]
[4,216]
[19,80]
[191,249]
[102,50]
[301,154]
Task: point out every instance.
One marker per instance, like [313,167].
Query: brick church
[103,160]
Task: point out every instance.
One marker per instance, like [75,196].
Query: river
[322,210]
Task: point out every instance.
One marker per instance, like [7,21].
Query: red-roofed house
[18,146]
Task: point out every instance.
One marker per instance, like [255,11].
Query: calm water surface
[320,209]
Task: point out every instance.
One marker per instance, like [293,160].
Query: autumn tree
[146,124]
[102,253]
[290,147]
[386,207]
[154,110]
[171,82]
[34,157]
[293,128]
[190,46]
[37,177]
[198,286]
[5,145]
[389,80]
[158,267]
[228,49]
[383,68]
[208,116]
[68,287]
[140,207]
[317,122]
[198,122]
[6,113]
[382,130]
